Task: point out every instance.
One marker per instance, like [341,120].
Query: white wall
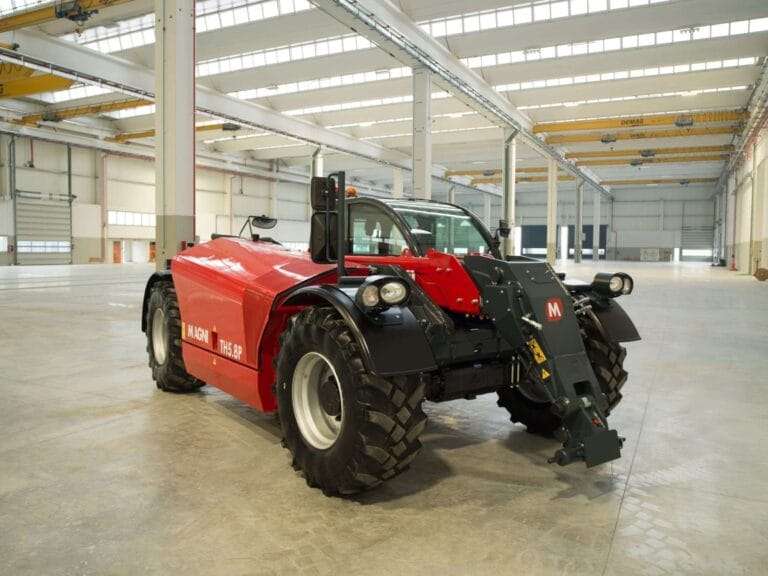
[744,209]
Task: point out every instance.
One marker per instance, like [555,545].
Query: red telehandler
[396,302]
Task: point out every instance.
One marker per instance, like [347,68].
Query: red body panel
[227,290]
[440,275]
[230,292]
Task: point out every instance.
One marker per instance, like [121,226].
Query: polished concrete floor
[100,473]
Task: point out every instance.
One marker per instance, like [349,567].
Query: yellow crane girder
[66,113]
[151,132]
[10,71]
[77,11]
[519,180]
[33,85]
[648,153]
[491,172]
[647,181]
[680,120]
[643,161]
[608,138]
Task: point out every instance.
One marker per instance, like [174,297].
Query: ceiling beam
[643,161]
[40,51]
[646,182]
[680,120]
[649,152]
[385,25]
[608,138]
[76,10]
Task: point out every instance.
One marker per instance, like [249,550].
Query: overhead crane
[609,138]
[76,10]
[523,179]
[66,113]
[128,136]
[648,152]
[491,172]
[679,120]
[648,181]
[642,161]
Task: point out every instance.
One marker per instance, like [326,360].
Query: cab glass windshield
[443,228]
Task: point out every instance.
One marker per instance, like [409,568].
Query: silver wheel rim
[319,428]
[159,337]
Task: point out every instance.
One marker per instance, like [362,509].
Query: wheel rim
[319,414]
[159,337]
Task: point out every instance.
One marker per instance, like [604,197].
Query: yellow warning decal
[544,374]
[183,329]
[538,353]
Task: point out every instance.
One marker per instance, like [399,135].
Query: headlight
[616,284]
[612,284]
[393,292]
[380,292]
[369,295]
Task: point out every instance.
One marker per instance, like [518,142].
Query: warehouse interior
[611,135]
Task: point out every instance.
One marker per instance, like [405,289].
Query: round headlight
[616,284]
[393,292]
[370,296]
[628,285]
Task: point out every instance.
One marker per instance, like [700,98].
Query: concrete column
[596,227]
[397,183]
[452,195]
[508,181]
[422,134]
[551,211]
[578,233]
[174,125]
[487,212]
[764,239]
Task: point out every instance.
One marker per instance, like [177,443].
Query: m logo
[554,309]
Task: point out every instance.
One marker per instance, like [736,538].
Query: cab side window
[373,232]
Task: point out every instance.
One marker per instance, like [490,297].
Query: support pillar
[596,228]
[397,183]
[174,126]
[422,134]
[487,212]
[508,181]
[551,211]
[452,195]
[578,233]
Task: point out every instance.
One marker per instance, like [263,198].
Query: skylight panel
[19,5]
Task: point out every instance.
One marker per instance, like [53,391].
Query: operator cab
[396,227]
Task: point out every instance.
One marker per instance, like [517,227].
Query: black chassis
[461,356]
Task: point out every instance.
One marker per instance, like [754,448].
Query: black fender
[389,348]
[156,277]
[614,323]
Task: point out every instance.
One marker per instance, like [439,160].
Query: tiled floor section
[100,473]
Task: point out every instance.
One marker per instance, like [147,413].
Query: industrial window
[44,246]
[119,218]
[3,243]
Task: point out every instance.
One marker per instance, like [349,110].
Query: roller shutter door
[43,228]
[697,243]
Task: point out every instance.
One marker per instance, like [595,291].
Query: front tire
[346,429]
[164,341]
[607,360]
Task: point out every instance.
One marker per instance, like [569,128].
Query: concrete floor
[100,473]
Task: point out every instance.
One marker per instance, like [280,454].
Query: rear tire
[607,359]
[164,341]
[346,429]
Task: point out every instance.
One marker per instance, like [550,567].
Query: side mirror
[322,241]
[263,221]
[323,193]
[503,230]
